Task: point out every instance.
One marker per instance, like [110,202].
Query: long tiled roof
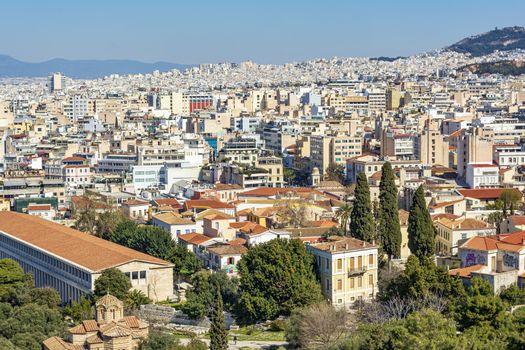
[93,253]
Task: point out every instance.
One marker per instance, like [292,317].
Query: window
[339,284]
[352,282]
[370,280]
[339,264]
[359,262]
[142,274]
[370,259]
[352,263]
[359,281]
[134,275]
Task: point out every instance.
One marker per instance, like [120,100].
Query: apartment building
[333,149]
[473,147]
[348,270]
[481,175]
[452,229]
[433,147]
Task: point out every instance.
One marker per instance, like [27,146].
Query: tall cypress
[218,332]
[389,228]
[362,224]
[421,230]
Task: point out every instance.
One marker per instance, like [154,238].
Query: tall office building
[57,82]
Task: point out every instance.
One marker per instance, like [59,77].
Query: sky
[265,31]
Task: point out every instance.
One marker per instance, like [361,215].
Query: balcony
[356,271]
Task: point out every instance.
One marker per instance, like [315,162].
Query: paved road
[244,344]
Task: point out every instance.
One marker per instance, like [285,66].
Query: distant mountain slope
[80,69]
[505,67]
[504,39]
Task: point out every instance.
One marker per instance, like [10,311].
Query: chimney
[346,245]
[363,243]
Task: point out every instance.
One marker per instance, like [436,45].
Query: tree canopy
[421,230]
[389,227]
[275,278]
[362,225]
[112,281]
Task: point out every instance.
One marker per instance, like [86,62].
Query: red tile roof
[485,193]
[93,253]
[465,271]
[206,204]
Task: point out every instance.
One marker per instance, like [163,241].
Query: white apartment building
[482,175]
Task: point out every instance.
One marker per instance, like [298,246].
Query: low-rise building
[348,270]
[70,261]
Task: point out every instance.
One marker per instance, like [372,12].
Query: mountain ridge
[504,39]
[81,69]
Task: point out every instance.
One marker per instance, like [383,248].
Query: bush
[277,326]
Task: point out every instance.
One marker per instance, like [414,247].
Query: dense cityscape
[332,203]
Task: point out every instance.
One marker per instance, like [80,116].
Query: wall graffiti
[510,260]
[475,259]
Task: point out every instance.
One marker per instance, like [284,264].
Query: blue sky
[266,31]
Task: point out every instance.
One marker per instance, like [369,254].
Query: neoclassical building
[110,330]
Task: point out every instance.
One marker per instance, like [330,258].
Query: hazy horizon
[205,31]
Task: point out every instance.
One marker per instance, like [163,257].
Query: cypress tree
[421,231]
[362,224]
[218,332]
[389,228]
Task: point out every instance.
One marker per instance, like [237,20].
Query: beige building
[70,261]
[348,270]
[451,230]
[473,147]
[433,148]
[110,330]
[330,149]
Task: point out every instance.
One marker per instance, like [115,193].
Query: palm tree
[135,298]
[343,214]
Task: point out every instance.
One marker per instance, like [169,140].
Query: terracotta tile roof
[206,204]
[135,202]
[445,204]
[273,191]
[457,133]
[93,253]
[445,215]
[323,223]
[196,239]
[484,193]
[517,237]
[76,159]
[132,321]
[243,212]
[205,213]
[491,243]
[172,218]
[90,325]
[465,271]
[56,343]
[39,207]
[228,250]
[307,232]
[483,165]
[172,202]
[517,219]
[237,241]
[343,244]
[223,187]
[218,216]
[462,223]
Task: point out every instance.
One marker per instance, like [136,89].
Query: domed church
[110,330]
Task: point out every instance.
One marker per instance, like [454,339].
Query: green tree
[335,172]
[136,298]
[114,282]
[389,227]
[85,214]
[275,278]
[79,311]
[11,277]
[201,297]
[218,332]
[510,198]
[45,296]
[421,230]
[159,341]
[289,175]
[362,225]
[107,222]
[343,214]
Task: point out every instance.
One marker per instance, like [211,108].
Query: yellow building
[348,270]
